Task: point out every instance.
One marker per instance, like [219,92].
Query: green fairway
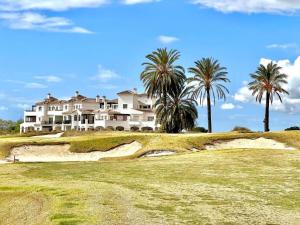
[209,187]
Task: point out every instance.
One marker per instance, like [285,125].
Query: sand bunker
[260,143]
[157,153]
[61,153]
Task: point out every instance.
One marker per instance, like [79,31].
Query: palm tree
[269,80]
[181,112]
[161,75]
[208,75]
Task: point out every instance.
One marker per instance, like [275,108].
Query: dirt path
[61,153]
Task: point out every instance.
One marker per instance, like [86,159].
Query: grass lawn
[209,187]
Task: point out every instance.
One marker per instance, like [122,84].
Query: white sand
[61,153]
[260,143]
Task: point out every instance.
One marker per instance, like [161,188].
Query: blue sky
[98,46]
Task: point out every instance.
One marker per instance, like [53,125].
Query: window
[40,108]
[150,118]
[125,106]
[66,107]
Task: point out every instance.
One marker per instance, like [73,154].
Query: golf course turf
[238,186]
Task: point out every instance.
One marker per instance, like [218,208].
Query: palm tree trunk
[267,113]
[165,108]
[209,111]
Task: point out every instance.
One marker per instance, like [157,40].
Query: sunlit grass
[210,187]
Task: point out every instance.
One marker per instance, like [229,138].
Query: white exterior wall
[136,118]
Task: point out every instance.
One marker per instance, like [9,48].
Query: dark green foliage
[199,130]
[241,129]
[180,111]
[161,76]
[292,128]
[9,126]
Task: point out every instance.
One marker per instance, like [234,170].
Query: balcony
[46,123]
[88,122]
[67,122]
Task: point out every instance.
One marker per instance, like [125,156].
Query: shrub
[199,130]
[119,128]
[241,129]
[292,128]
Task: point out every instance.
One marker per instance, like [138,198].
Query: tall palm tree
[161,75]
[207,79]
[268,80]
[181,112]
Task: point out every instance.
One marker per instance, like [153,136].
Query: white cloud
[282,46]
[49,78]
[133,2]
[55,5]
[167,39]
[104,75]
[252,6]
[291,103]
[228,106]
[244,95]
[37,21]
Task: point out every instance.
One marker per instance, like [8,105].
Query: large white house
[130,111]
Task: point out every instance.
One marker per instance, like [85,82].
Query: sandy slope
[260,143]
[49,135]
[61,153]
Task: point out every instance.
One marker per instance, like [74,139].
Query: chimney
[134,90]
[76,93]
[105,102]
[97,98]
[49,96]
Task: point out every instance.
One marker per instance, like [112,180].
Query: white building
[130,111]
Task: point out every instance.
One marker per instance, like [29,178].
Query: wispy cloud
[252,6]
[49,79]
[228,106]
[133,2]
[3,108]
[22,106]
[164,39]
[282,46]
[37,21]
[31,85]
[105,75]
[30,14]
[54,5]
